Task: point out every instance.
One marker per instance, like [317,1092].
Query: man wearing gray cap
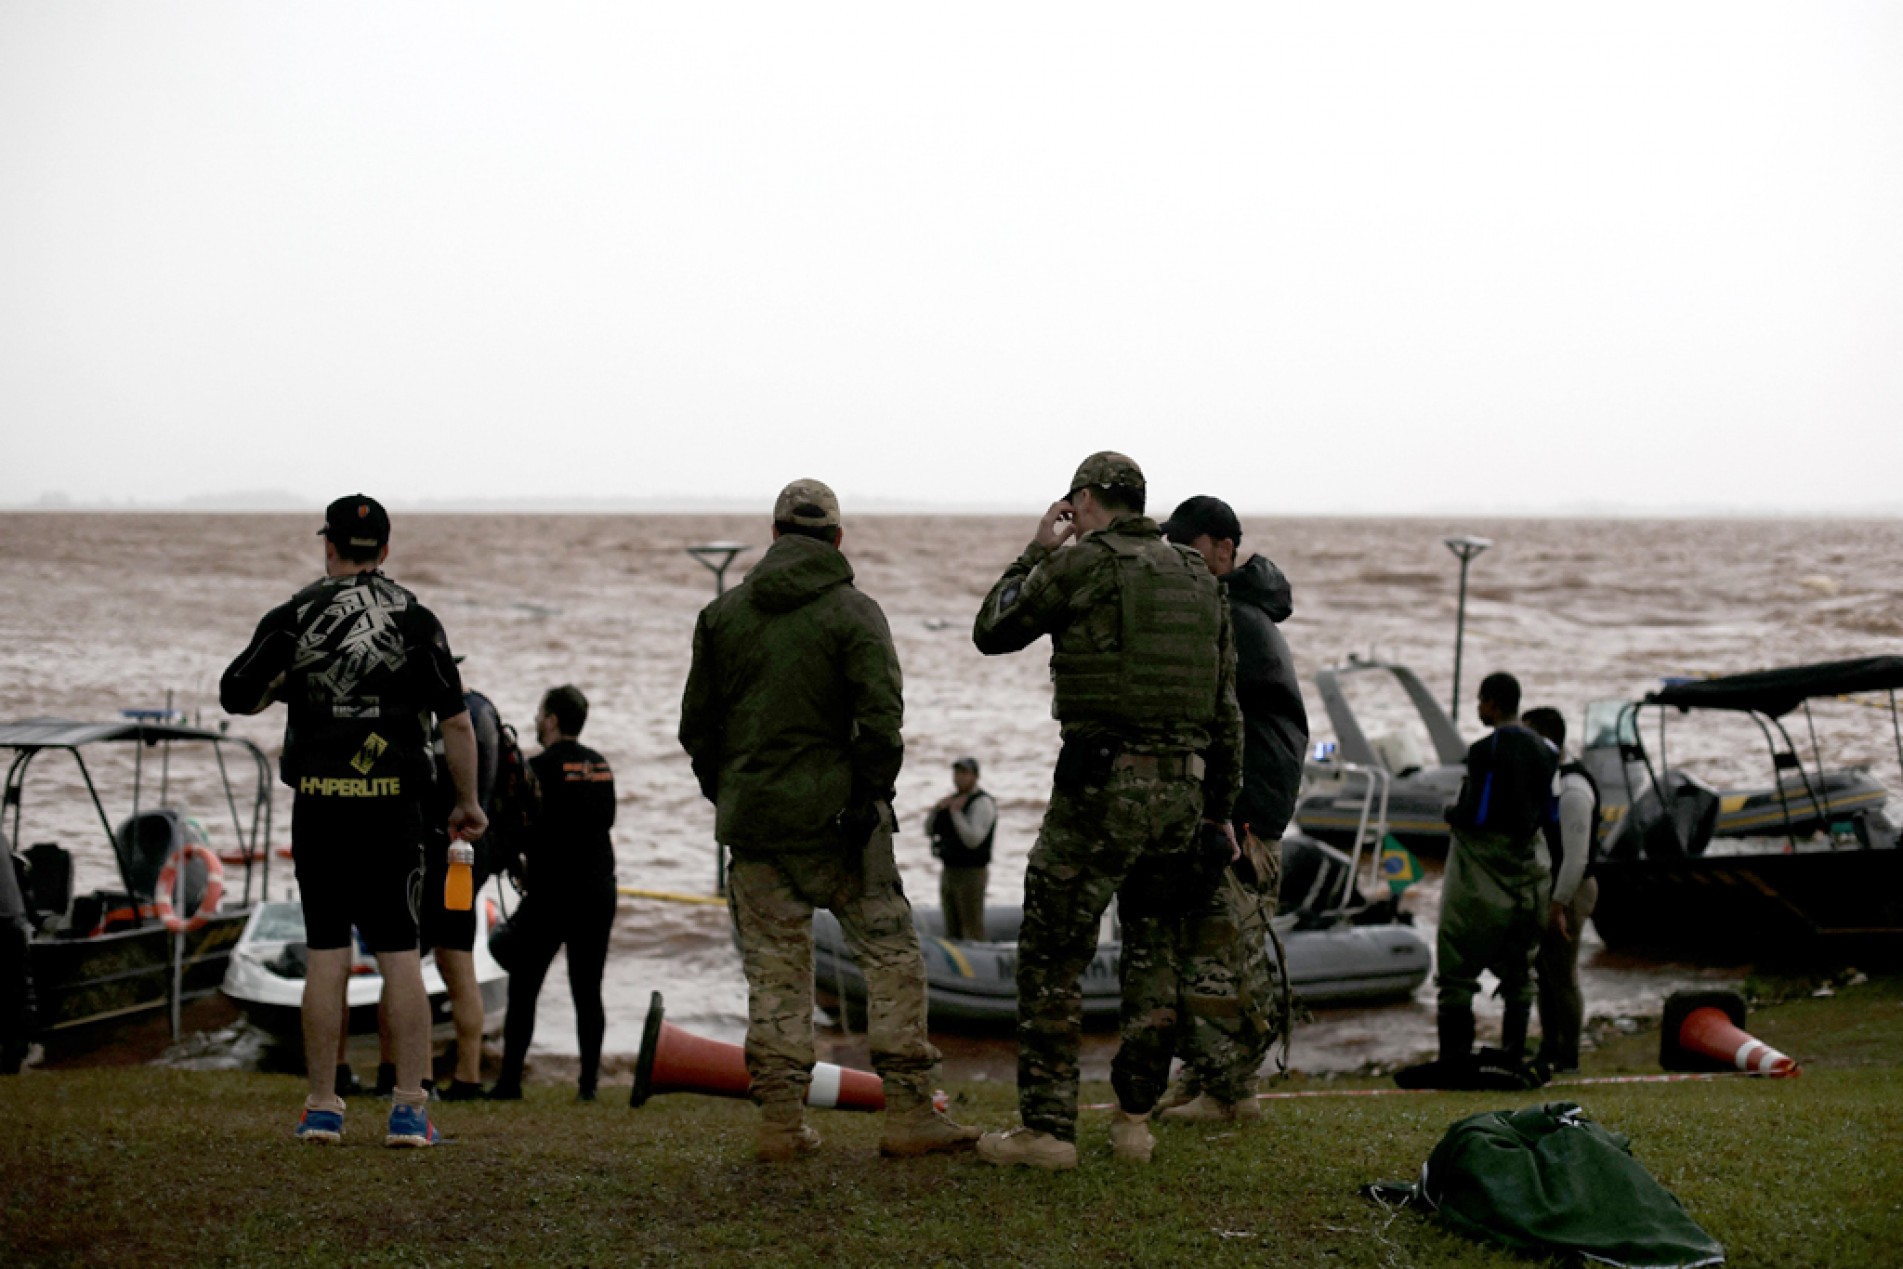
[961,826]
[1143,662]
[791,719]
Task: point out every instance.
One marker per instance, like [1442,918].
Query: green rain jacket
[792,709]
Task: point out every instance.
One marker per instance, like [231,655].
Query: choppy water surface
[107,611]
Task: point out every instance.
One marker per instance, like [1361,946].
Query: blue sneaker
[410,1126]
[321,1127]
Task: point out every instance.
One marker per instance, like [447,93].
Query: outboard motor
[1682,828]
[147,839]
[1315,876]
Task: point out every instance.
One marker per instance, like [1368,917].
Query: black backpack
[514,802]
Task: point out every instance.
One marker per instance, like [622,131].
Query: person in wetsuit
[568,879]
[361,665]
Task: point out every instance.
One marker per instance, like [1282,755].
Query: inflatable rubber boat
[1341,950]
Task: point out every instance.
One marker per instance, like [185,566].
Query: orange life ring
[168,881]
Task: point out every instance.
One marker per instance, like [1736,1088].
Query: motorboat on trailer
[265,977]
[1342,948]
[1823,885]
[154,947]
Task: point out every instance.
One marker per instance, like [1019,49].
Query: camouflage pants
[1091,841]
[1229,993]
[1492,913]
[772,902]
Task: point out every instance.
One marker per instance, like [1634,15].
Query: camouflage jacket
[1071,595]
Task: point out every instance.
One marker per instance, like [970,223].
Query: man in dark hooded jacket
[1230,990]
[791,719]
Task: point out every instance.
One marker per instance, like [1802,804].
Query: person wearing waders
[1572,841]
[961,826]
[1498,881]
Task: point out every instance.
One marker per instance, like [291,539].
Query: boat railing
[1371,824]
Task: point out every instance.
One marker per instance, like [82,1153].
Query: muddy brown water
[110,611]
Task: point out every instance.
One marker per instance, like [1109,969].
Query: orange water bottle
[459,890]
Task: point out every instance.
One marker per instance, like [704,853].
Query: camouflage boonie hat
[1108,469]
[807,503]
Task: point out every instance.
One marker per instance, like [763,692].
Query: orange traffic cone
[677,1061]
[1704,1031]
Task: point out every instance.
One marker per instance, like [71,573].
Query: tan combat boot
[1205,1109]
[784,1135]
[1130,1139]
[1028,1148]
[1179,1093]
[914,1126]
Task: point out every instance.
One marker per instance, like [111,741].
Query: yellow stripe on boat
[955,956]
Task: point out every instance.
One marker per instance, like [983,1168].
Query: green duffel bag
[1548,1180]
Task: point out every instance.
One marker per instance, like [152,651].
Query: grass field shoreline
[190,1167]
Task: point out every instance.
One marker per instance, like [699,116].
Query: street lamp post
[717,556]
[1466,548]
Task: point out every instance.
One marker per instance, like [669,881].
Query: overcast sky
[1353,258]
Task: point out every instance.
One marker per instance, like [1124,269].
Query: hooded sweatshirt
[1274,720]
[792,710]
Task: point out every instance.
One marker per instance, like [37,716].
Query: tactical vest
[1165,666]
[1557,848]
[950,847]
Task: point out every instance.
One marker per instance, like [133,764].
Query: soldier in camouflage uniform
[791,718]
[1236,999]
[1144,667]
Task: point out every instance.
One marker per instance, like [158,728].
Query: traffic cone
[1704,1031]
[677,1061]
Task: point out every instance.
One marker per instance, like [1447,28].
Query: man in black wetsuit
[569,891]
[361,666]
[452,934]
[1498,881]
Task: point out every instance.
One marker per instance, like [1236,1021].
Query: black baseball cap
[1203,514]
[358,521]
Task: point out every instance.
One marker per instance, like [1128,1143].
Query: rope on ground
[669,896]
[1675,1078]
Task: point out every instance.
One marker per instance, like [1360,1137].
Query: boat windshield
[280,922]
[1610,724]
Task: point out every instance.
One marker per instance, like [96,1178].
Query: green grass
[146,1165]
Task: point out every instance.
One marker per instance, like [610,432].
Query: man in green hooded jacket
[791,719]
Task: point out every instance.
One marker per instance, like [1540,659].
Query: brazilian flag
[1398,865]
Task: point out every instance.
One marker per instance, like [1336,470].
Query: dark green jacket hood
[795,571]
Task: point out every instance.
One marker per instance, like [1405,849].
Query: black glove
[856,824]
